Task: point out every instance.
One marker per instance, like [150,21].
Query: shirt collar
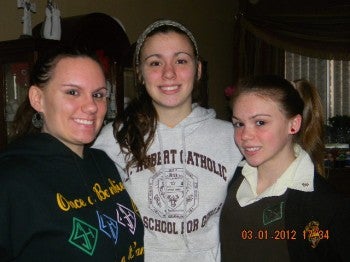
[299,176]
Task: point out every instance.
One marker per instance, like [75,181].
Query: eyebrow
[176,54]
[71,85]
[254,116]
[79,87]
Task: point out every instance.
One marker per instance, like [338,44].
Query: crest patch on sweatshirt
[173,193]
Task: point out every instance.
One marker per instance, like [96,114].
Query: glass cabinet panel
[16,81]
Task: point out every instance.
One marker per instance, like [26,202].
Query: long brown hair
[135,129]
[313,132]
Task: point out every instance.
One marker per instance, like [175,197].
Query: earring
[37,120]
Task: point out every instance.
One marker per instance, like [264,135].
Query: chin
[253,162]
[85,139]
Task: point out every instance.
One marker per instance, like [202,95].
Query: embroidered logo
[108,226]
[83,236]
[173,193]
[126,217]
[313,233]
[273,213]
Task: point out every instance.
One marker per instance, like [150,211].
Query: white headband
[156,25]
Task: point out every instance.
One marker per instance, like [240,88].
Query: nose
[246,133]
[89,106]
[169,71]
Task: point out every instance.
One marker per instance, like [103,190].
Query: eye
[100,94]
[260,123]
[154,63]
[72,92]
[181,61]
[237,124]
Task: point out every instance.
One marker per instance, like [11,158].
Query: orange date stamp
[264,234]
[283,234]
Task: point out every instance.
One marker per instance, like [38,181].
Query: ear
[295,124]
[199,70]
[35,95]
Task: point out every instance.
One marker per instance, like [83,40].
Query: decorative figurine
[52,25]
[28,9]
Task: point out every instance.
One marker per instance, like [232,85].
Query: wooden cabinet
[95,32]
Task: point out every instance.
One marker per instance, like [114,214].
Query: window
[331,77]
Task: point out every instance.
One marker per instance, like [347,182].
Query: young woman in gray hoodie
[175,157]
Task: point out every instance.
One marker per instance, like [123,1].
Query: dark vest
[255,232]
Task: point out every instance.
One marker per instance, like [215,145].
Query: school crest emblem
[313,233]
[173,193]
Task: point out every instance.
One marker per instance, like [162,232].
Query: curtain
[331,77]
[313,69]
[253,55]
[341,88]
[264,30]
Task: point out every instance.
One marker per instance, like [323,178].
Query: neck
[79,150]
[268,173]
[172,116]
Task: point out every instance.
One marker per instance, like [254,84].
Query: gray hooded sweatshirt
[180,201]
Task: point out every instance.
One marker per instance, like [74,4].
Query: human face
[168,68]
[73,102]
[262,131]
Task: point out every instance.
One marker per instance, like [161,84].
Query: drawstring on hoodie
[184,181]
[162,176]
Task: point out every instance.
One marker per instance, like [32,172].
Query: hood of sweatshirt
[192,121]
[42,154]
[33,145]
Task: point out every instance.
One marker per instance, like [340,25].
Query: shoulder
[321,184]
[221,127]
[209,116]
[103,161]
[100,155]
[222,123]
[324,197]
[106,133]
[16,173]
[107,142]
[322,192]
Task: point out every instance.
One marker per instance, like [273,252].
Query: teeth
[252,149]
[84,122]
[169,88]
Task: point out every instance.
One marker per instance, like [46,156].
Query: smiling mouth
[251,149]
[83,121]
[169,88]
